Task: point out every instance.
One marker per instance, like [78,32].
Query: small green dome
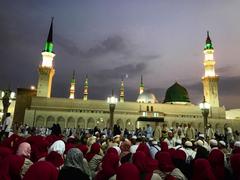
[176,93]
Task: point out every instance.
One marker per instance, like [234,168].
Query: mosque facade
[42,110]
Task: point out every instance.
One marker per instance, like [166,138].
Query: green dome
[176,93]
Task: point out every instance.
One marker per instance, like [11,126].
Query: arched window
[147,108]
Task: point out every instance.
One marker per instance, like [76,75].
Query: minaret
[46,69]
[141,87]
[122,91]
[210,79]
[72,87]
[85,93]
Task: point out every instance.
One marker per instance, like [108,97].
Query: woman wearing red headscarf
[127,171]
[235,164]
[202,170]
[167,170]
[109,166]
[41,170]
[94,158]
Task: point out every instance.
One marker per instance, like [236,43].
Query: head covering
[235,164]
[139,160]
[55,158]
[127,171]
[118,149]
[125,146]
[202,152]
[109,166]
[216,159]
[41,170]
[213,142]
[144,148]
[202,170]
[165,161]
[237,144]
[58,146]
[201,135]
[5,151]
[180,155]
[164,146]
[83,148]
[199,143]
[95,149]
[74,159]
[24,149]
[188,144]
[222,143]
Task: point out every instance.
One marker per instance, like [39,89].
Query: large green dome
[176,93]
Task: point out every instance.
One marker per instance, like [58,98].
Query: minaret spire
[72,87]
[49,43]
[141,87]
[85,91]
[46,69]
[122,93]
[210,79]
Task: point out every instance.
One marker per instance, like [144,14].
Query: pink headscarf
[24,149]
[216,159]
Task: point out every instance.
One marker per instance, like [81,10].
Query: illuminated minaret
[85,93]
[210,79]
[72,87]
[122,91]
[141,87]
[46,69]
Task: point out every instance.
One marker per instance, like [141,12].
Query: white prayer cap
[222,143]
[213,142]
[237,144]
[134,137]
[154,142]
[188,144]
[199,143]
[178,141]
[201,135]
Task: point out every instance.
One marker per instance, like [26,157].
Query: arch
[71,122]
[81,123]
[39,121]
[90,123]
[129,125]
[61,122]
[50,121]
[120,123]
[100,123]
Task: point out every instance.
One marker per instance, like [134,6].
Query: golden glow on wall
[47,59]
[72,91]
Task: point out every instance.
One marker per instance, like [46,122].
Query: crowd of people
[145,154]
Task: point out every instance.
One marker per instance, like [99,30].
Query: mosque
[37,107]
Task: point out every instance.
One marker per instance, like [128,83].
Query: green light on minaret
[208,44]
[49,44]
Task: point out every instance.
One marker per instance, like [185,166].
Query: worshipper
[127,171]
[170,140]
[157,132]
[202,170]
[205,144]
[236,148]
[6,128]
[210,132]
[154,148]
[202,153]
[216,160]
[190,132]
[125,151]
[94,158]
[135,143]
[58,146]
[190,153]
[213,144]
[167,170]
[109,165]
[41,170]
[149,131]
[235,164]
[74,167]
[139,159]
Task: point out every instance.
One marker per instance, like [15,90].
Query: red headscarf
[235,164]
[144,148]
[55,158]
[109,166]
[140,161]
[164,161]
[4,152]
[95,149]
[179,154]
[164,146]
[202,170]
[41,170]
[128,171]
[216,159]
[83,148]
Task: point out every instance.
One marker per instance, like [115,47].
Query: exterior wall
[233,114]
[210,89]
[87,114]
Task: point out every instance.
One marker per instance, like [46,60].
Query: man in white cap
[135,144]
[213,144]
[190,153]
[205,144]
[170,140]
[190,132]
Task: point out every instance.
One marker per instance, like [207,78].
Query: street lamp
[7,96]
[204,106]
[112,101]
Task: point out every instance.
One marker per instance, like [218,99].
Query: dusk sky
[161,39]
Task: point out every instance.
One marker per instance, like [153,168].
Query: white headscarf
[57,146]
